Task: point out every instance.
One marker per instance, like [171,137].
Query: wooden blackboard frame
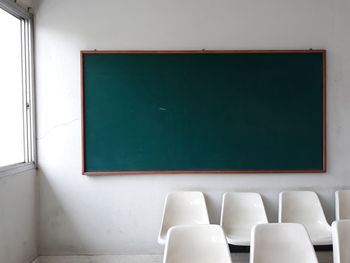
[84,172]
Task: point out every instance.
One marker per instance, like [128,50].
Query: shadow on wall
[57,223]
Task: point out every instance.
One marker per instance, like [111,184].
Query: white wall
[25,3]
[121,214]
[18,218]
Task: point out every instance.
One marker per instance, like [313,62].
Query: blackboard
[203,111]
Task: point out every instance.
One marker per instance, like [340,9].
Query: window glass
[11,102]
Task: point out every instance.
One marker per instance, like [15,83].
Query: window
[17,148]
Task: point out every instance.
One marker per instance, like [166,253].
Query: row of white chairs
[272,243]
[241,211]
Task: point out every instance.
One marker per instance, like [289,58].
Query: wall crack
[56,127]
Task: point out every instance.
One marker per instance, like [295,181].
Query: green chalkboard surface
[203,111]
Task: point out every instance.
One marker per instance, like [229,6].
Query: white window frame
[29,123]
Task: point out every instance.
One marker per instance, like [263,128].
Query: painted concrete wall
[25,3]
[18,218]
[121,214]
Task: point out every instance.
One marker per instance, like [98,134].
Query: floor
[323,257]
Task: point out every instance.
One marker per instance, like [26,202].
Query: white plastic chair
[183,208]
[196,244]
[305,208]
[281,243]
[239,213]
[341,241]
[342,204]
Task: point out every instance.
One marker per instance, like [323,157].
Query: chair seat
[239,236]
[342,208]
[320,234]
[163,235]
[341,241]
[196,244]
[182,208]
[240,212]
[281,243]
[304,207]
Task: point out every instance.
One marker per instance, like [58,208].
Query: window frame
[28,88]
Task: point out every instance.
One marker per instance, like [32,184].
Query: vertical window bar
[24,99]
[26,88]
[27,112]
[31,90]
[28,92]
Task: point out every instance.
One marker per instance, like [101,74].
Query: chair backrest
[281,243]
[183,208]
[242,209]
[342,204]
[196,244]
[341,241]
[302,207]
